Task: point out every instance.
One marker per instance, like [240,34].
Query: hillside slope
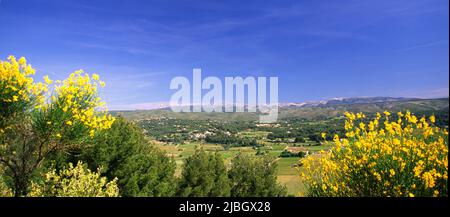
[325,109]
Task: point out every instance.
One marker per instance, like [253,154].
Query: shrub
[74,182]
[287,153]
[403,157]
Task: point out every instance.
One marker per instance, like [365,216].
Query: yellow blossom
[95,77]
[47,80]
[432,118]
[392,172]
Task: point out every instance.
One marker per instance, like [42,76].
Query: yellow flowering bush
[76,102]
[18,91]
[39,118]
[74,182]
[405,157]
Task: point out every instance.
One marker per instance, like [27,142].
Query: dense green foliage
[254,177]
[150,174]
[123,152]
[204,175]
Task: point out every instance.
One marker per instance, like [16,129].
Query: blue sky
[318,49]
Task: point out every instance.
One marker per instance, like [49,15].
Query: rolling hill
[307,110]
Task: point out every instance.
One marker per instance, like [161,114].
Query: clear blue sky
[318,49]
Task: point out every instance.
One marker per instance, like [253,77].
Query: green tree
[112,148]
[204,175]
[254,176]
[149,175]
[124,153]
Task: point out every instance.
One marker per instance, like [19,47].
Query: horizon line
[162,105]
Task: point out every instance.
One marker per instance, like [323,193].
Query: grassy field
[288,174]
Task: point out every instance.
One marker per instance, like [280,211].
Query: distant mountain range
[309,110]
[321,103]
[346,101]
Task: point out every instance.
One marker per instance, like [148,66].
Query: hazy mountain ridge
[346,101]
[311,110]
